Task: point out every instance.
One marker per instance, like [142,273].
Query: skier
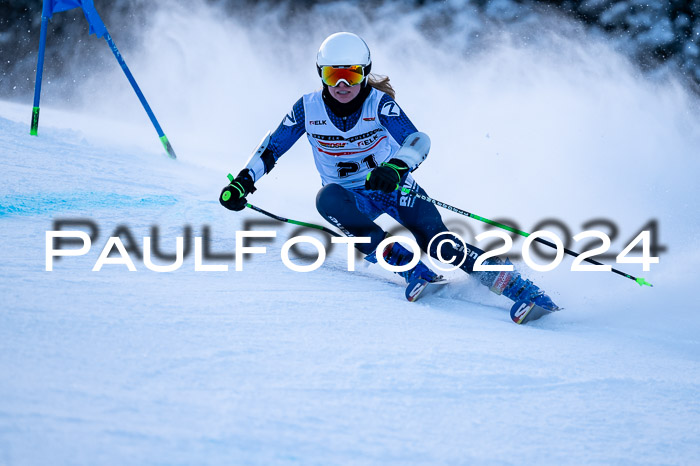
[365,147]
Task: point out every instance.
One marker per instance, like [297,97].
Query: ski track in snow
[272,366]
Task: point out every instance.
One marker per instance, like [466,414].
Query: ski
[523,312]
[415,288]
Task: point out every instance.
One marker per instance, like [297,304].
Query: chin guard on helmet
[414,149]
[261,160]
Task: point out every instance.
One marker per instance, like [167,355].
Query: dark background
[661,37]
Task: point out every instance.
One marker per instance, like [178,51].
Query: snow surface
[267,365]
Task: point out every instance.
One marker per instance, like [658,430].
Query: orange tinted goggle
[351,75]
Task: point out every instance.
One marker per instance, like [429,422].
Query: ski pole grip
[227,194]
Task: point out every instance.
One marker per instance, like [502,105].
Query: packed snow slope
[267,365]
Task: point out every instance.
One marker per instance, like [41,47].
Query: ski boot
[416,278]
[531,303]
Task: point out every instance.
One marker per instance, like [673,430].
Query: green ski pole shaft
[287,220]
[293,222]
[423,197]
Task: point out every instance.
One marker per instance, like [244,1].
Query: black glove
[386,177]
[233,195]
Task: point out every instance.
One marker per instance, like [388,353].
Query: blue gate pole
[39,73]
[130,77]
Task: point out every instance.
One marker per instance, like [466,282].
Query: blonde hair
[381,83]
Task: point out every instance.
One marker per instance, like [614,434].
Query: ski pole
[287,220]
[423,197]
[293,222]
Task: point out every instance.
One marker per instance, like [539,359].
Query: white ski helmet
[344,49]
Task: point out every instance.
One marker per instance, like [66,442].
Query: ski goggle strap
[350,75]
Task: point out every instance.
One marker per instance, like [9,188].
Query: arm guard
[414,149]
[261,160]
